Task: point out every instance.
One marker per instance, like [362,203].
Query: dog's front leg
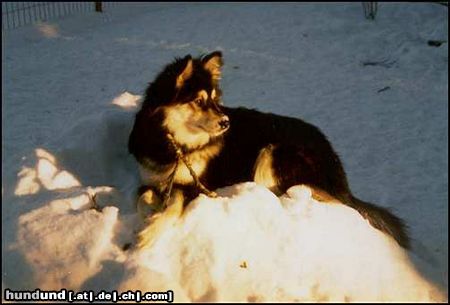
[161,221]
[148,203]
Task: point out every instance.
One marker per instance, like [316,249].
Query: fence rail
[16,14]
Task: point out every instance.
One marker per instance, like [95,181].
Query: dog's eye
[199,101]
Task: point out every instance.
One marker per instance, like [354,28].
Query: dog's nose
[224,123]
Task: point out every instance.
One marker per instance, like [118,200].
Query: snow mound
[249,245]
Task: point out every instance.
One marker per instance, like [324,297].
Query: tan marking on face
[177,121]
[213,94]
[203,95]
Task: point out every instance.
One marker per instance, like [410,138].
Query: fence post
[370,9]
[98,7]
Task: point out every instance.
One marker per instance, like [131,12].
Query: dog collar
[181,156]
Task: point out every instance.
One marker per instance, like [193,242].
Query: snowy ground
[66,120]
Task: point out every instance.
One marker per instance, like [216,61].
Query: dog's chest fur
[157,175]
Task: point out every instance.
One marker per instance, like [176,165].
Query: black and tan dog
[182,117]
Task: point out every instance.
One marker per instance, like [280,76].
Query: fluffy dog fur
[230,145]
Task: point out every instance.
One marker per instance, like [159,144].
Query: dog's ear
[213,63]
[186,72]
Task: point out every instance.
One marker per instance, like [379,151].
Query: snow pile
[249,245]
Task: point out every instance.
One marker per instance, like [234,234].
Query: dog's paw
[158,223]
[148,205]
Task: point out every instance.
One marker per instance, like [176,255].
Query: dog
[186,142]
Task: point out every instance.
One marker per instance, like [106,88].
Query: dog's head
[188,96]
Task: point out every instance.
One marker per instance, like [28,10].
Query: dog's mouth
[215,132]
[220,132]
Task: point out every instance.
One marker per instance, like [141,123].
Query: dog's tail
[383,219]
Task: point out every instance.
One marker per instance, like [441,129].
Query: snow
[248,245]
[68,108]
